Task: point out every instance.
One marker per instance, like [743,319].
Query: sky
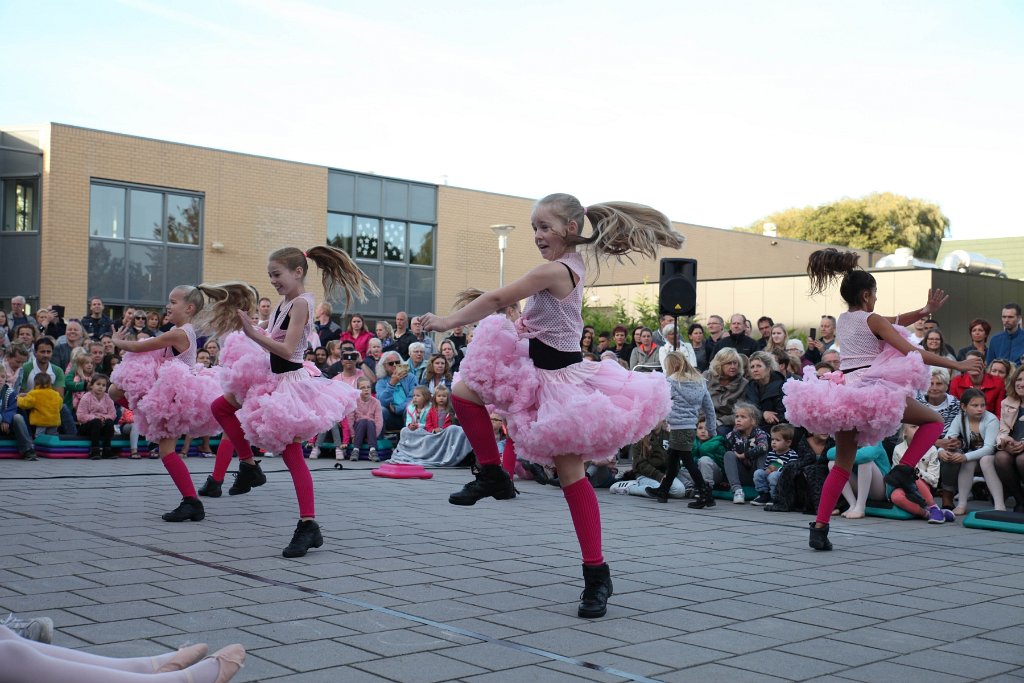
[717,113]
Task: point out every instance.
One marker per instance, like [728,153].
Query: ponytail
[340,274]
[825,266]
[221,316]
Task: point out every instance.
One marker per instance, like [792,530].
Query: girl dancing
[533,372]
[881,373]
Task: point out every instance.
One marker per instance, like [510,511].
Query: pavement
[409,588]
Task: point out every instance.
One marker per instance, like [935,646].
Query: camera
[350,356]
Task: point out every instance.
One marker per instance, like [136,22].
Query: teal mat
[993,520]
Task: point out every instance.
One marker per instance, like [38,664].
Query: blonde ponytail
[221,316]
[339,273]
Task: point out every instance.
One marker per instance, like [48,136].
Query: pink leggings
[899,499]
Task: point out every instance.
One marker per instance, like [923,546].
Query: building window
[143,241]
[19,203]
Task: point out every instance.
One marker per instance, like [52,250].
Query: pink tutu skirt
[588,409]
[136,373]
[244,367]
[870,401]
[178,403]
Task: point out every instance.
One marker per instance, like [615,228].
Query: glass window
[183,215]
[421,290]
[368,191]
[146,215]
[339,231]
[106,211]
[367,238]
[19,202]
[146,273]
[106,269]
[394,241]
[184,267]
[421,244]
[392,288]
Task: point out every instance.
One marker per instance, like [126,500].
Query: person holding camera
[394,389]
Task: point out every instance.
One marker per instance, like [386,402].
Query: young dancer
[533,371]
[158,380]
[689,396]
[881,373]
[271,399]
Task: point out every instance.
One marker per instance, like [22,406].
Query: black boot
[905,477]
[248,476]
[819,538]
[95,453]
[658,493]
[190,509]
[597,588]
[540,475]
[705,499]
[491,481]
[307,535]
[211,489]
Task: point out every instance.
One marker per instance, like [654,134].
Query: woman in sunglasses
[394,389]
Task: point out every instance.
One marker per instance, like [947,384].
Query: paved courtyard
[408,588]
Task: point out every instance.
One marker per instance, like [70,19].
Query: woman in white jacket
[978,430]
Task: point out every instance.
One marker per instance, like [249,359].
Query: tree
[881,222]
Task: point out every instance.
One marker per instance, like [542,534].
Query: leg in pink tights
[301,478]
[224,413]
[476,423]
[142,665]
[899,499]
[176,467]
[508,457]
[586,519]
[924,439]
[225,451]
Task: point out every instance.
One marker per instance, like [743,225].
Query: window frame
[36,203]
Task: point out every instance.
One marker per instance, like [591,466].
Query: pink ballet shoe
[183,658]
[230,660]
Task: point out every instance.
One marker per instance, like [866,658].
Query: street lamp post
[502,231]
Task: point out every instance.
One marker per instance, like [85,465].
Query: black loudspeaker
[677,294]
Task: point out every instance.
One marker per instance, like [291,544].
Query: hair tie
[306,254]
[584,211]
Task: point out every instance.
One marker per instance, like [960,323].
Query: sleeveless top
[859,344]
[188,356]
[278,329]
[558,323]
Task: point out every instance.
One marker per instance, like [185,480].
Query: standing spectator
[778,337]
[726,385]
[587,340]
[716,329]
[386,335]
[5,331]
[764,389]
[18,316]
[979,330]
[357,333]
[451,354]
[659,338]
[75,339]
[459,338]
[645,353]
[127,317]
[826,339]
[918,330]
[737,337]
[212,347]
[668,333]
[394,389]
[403,336]
[97,324]
[326,328]
[993,388]
[619,345]
[1010,342]
[264,308]
[42,319]
[404,344]
[703,348]
[96,415]
[138,324]
[56,327]
[764,326]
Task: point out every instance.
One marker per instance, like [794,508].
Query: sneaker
[491,481]
[30,454]
[39,630]
[189,509]
[248,477]
[109,453]
[95,453]
[315,453]
[738,497]
[540,475]
[373,455]
[935,515]
[762,498]
[135,455]
[620,487]
[656,492]
[948,514]
[307,535]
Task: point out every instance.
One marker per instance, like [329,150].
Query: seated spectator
[264,308]
[451,354]
[709,452]
[40,363]
[320,358]
[1002,369]
[831,358]
[645,352]
[459,339]
[936,343]
[11,363]
[795,350]
[43,405]
[668,334]
[603,342]
[941,401]
[798,488]
[153,322]
[826,339]
[928,478]
[108,344]
[436,442]
[5,331]
[374,351]
[993,388]
[42,319]
[357,333]
[348,370]
[437,373]
[979,329]
[417,361]
[977,431]
[748,447]
[716,328]
[619,345]
[703,349]
[764,389]
[26,334]
[821,369]
[1009,343]
[777,339]
[1009,458]
[11,422]
[659,337]
[650,464]
[96,415]
[95,350]
[416,335]
[75,339]
[365,423]
[870,465]
[933,325]
[764,327]
[110,361]
[127,317]
[203,358]
[766,479]
[326,329]
[386,335]
[394,389]
[138,325]
[18,316]
[309,357]
[76,381]
[587,340]
[737,337]
[727,386]
[212,347]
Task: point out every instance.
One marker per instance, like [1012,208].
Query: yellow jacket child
[43,403]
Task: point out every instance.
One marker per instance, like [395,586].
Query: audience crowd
[55,376]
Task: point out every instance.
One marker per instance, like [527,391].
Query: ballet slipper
[183,658]
[230,660]
[959,512]
[853,514]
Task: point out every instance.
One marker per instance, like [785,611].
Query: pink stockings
[476,423]
[586,519]
[925,438]
[830,492]
[301,479]
[224,413]
[176,467]
[899,499]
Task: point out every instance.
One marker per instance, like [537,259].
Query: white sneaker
[373,455]
[738,497]
[315,453]
[39,629]
[620,487]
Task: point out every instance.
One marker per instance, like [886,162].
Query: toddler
[767,478]
[748,447]
[43,404]
[365,422]
[96,415]
[928,468]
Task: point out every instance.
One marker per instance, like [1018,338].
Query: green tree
[882,222]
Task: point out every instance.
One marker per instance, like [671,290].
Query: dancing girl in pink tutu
[881,372]
[159,380]
[561,409]
[271,398]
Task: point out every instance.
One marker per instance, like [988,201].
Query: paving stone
[421,667]
[955,663]
[114,631]
[890,671]
[312,655]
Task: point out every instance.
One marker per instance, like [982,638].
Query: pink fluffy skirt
[244,367]
[178,403]
[294,405]
[136,373]
[870,401]
[588,409]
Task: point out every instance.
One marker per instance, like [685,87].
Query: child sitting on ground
[43,404]
[767,478]
[365,422]
[928,477]
[748,449]
[96,415]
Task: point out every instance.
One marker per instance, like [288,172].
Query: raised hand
[936,300]
[433,323]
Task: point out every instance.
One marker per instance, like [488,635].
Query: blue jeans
[765,482]
[19,428]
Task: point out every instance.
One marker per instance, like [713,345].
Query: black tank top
[279,365]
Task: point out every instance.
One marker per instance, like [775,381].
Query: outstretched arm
[883,329]
[545,276]
[936,300]
[175,338]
